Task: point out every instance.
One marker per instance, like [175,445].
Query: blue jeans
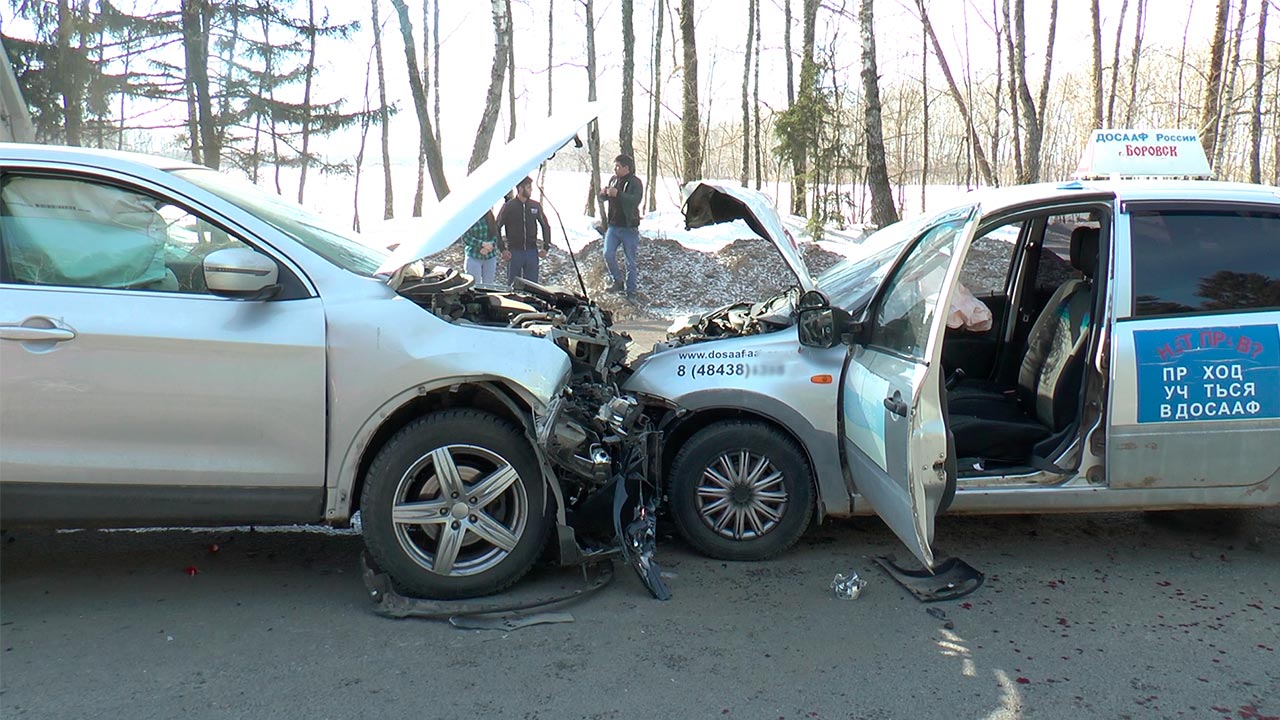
[629,238]
[482,270]
[524,263]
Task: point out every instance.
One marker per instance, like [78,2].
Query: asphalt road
[1082,616]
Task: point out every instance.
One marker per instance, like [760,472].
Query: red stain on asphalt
[191,570]
[1023,681]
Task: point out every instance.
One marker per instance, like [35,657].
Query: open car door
[894,432]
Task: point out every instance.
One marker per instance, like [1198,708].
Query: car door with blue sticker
[894,433]
[1195,367]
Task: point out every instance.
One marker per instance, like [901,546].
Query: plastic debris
[847,587]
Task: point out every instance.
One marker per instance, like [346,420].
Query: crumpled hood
[708,203]
[477,193]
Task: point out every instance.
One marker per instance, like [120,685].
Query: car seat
[1004,424]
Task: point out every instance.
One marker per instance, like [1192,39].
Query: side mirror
[823,327]
[241,273]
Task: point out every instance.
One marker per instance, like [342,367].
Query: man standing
[519,220]
[481,246]
[623,194]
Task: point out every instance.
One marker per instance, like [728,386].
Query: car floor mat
[953,578]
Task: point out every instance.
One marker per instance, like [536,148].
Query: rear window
[1204,261]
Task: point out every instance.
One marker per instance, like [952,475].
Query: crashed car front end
[595,440]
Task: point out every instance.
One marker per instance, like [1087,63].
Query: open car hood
[708,203]
[485,186]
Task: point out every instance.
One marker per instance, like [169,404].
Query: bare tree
[1182,63]
[924,114]
[1210,109]
[593,130]
[1031,113]
[1259,72]
[807,97]
[197,19]
[308,74]
[366,118]
[1097,63]
[746,97]
[1115,66]
[493,98]
[626,129]
[755,96]
[690,123]
[882,209]
[970,129]
[551,44]
[655,105]
[1139,28]
[426,135]
[511,74]
[384,116]
[1014,125]
[1229,85]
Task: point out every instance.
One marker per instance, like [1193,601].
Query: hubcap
[459,510]
[741,495]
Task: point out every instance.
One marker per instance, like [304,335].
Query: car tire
[454,506]
[741,490]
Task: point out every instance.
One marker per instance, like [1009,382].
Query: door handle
[28,334]
[895,404]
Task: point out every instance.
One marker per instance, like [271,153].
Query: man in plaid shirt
[481,245]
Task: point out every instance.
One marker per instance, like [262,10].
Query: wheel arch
[493,396]
[828,498]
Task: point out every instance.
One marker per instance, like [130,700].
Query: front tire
[741,490]
[454,506]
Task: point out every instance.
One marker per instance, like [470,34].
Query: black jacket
[519,221]
[624,210]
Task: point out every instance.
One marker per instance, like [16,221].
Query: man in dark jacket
[518,220]
[623,194]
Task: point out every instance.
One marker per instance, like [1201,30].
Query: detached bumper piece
[471,614]
[952,579]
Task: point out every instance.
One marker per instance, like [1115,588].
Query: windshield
[312,231]
[850,284]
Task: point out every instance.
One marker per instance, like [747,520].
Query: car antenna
[542,192]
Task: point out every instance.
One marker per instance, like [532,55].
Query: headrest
[1084,249]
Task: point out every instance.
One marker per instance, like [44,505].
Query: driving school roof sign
[1143,153]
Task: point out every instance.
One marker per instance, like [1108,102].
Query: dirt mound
[673,278]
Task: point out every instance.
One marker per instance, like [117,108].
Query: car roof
[95,157]
[996,199]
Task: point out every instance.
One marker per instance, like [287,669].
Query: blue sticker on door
[1211,373]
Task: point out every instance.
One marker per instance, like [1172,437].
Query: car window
[82,233]
[315,233]
[1204,261]
[905,314]
[1055,266]
[986,267]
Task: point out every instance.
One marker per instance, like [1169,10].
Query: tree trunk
[626,130]
[1209,110]
[196,17]
[882,209]
[1097,64]
[1255,122]
[655,106]
[690,123]
[983,166]
[755,99]
[66,79]
[1032,114]
[1139,26]
[384,117]
[365,120]
[427,137]
[1229,91]
[807,91]
[435,66]
[1015,124]
[746,89]
[511,74]
[924,133]
[1182,63]
[593,130]
[306,97]
[1115,66]
[493,98]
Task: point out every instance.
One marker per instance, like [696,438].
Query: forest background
[846,111]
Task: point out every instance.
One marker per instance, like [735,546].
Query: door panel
[895,438]
[159,388]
